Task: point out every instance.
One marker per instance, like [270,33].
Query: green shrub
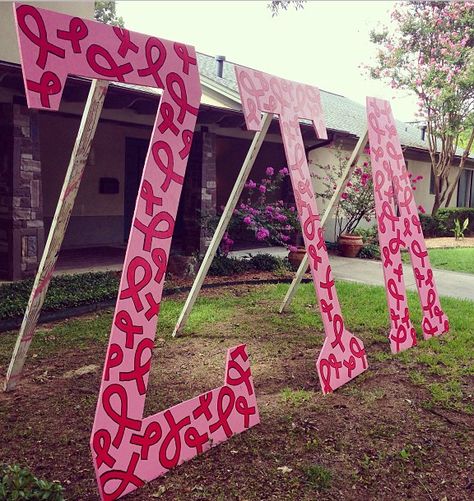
[370,237]
[18,483]
[430,226]
[224,266]
[443,223]
[65,291]
[370,251]
[265,262]
[229,266]
[68,291]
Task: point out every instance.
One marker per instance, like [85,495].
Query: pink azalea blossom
[269,171]
[283,172]
[262,234]
[262,188]
[247,220]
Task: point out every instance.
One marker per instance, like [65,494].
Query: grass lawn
[454,259]
[402,430]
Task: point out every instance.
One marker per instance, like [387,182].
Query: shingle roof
[341,114]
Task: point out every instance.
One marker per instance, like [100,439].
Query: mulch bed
[446,242]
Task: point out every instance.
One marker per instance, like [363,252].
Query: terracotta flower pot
[295,257]
[350,245]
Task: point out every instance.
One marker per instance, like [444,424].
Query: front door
[135,153]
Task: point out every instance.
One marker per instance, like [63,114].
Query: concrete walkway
[448,283]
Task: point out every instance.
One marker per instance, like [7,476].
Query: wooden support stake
[332,204]
[71,184]
[223,222]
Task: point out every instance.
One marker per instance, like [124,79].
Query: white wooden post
[72,181]
[341,186]
[223,222]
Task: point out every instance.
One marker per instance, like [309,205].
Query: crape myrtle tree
[278,5]
[429,50]
[105,13]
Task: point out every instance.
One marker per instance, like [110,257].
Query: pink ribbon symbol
[40,39]
[49,85]
[114,70]
[154,64]
[77,32]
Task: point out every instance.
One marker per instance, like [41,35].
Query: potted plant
[356,204]
[297,251]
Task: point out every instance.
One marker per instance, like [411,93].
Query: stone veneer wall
[21,208]
[199,191]
[208,185]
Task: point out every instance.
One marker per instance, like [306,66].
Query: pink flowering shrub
[428,50]
[357,202]
[270,222]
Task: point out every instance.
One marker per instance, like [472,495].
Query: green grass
[453,259]
[296,397]
[318,477]
[440,365]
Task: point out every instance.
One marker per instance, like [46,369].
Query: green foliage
[65,291]
[370,236]
[105,13]
[318,476]
[405,454]
[357,202]
[228,266]
[278,5]
[428,50]
[18,483]
[459,229]
[295,397]
[224,266]
[68,291]
[443,222]
[266,262]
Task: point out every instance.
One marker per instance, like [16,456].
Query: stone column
[21,208]
[199,192]
[208,185]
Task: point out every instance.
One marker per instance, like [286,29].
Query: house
[35,148]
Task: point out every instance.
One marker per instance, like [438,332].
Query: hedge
[69,291]
[442,224]
[65,291]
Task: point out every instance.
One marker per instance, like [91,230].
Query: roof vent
[220,65]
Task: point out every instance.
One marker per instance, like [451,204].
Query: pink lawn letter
[342,357]
[129,449]
[399,228]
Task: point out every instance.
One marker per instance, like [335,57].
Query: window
[466,189]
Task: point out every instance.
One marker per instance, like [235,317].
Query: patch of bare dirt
[374,435]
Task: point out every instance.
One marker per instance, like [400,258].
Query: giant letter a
[399,228]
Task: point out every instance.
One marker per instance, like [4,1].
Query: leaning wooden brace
[72,181]
[341,186]
[223,223]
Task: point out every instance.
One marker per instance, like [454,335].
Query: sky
[322,44]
